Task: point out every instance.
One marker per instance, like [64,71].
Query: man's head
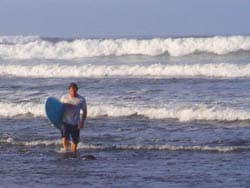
[73,88]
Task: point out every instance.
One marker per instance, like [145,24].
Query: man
[72,120]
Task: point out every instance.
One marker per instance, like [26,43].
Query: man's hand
[81,124]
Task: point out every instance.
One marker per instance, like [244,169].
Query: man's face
[72,92]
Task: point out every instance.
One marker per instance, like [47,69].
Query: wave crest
[221,70]
[34,47]
[178,112]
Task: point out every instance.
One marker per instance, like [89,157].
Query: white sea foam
[30,143]
[220,70]
[181,113]
[81,145]
[26,48]
[167,147]
[178,112]
[21,109]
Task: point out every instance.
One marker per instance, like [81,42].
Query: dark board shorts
[70,132]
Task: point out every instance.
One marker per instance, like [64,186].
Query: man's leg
[75,134]
[65,136]
[65,143]
[73,147]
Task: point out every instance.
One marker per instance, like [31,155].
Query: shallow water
[127,154]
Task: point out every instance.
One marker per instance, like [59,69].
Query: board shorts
[70,132]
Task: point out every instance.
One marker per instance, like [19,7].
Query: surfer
[73,121]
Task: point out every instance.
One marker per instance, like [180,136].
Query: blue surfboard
[54,111]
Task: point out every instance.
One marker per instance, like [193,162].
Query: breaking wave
[221,70]
[178,112]
[19,47]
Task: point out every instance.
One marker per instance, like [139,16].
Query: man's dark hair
[73,85]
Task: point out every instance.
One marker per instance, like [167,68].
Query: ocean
[162,112]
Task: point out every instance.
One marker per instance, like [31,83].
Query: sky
[124,18]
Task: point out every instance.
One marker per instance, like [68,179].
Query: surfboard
[54,111]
